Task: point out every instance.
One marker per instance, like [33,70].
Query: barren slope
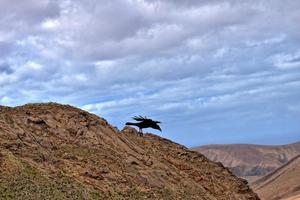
[294,197]
[250,161]
[282,183]
[52,151]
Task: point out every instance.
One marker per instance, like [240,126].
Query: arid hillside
[250,161]
[53,151]
[283,183]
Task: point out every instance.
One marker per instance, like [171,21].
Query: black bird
[144,122]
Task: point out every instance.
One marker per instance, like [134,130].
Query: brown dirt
[53,151]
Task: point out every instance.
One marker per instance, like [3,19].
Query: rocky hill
[53,151]
[250,161]
[283,183]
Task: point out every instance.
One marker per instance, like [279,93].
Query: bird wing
[139,118]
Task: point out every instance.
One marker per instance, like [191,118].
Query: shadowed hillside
[52,151]
[283,183]
[250,161]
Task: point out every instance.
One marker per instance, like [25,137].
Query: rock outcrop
[53,151]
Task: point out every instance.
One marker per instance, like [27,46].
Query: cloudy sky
[213,71]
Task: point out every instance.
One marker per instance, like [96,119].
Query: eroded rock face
[65,147]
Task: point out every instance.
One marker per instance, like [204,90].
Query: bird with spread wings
[144,122]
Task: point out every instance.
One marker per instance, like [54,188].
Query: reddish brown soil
[53,151]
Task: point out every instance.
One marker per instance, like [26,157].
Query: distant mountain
[283,183]
[53,151]
[250,161]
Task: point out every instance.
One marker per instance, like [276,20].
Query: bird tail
[130,123]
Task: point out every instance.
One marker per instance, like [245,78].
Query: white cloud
[175,59]
[50,24]
[33,65]
[5,100]
[102,107]
[287,61]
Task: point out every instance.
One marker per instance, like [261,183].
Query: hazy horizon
[214,72]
